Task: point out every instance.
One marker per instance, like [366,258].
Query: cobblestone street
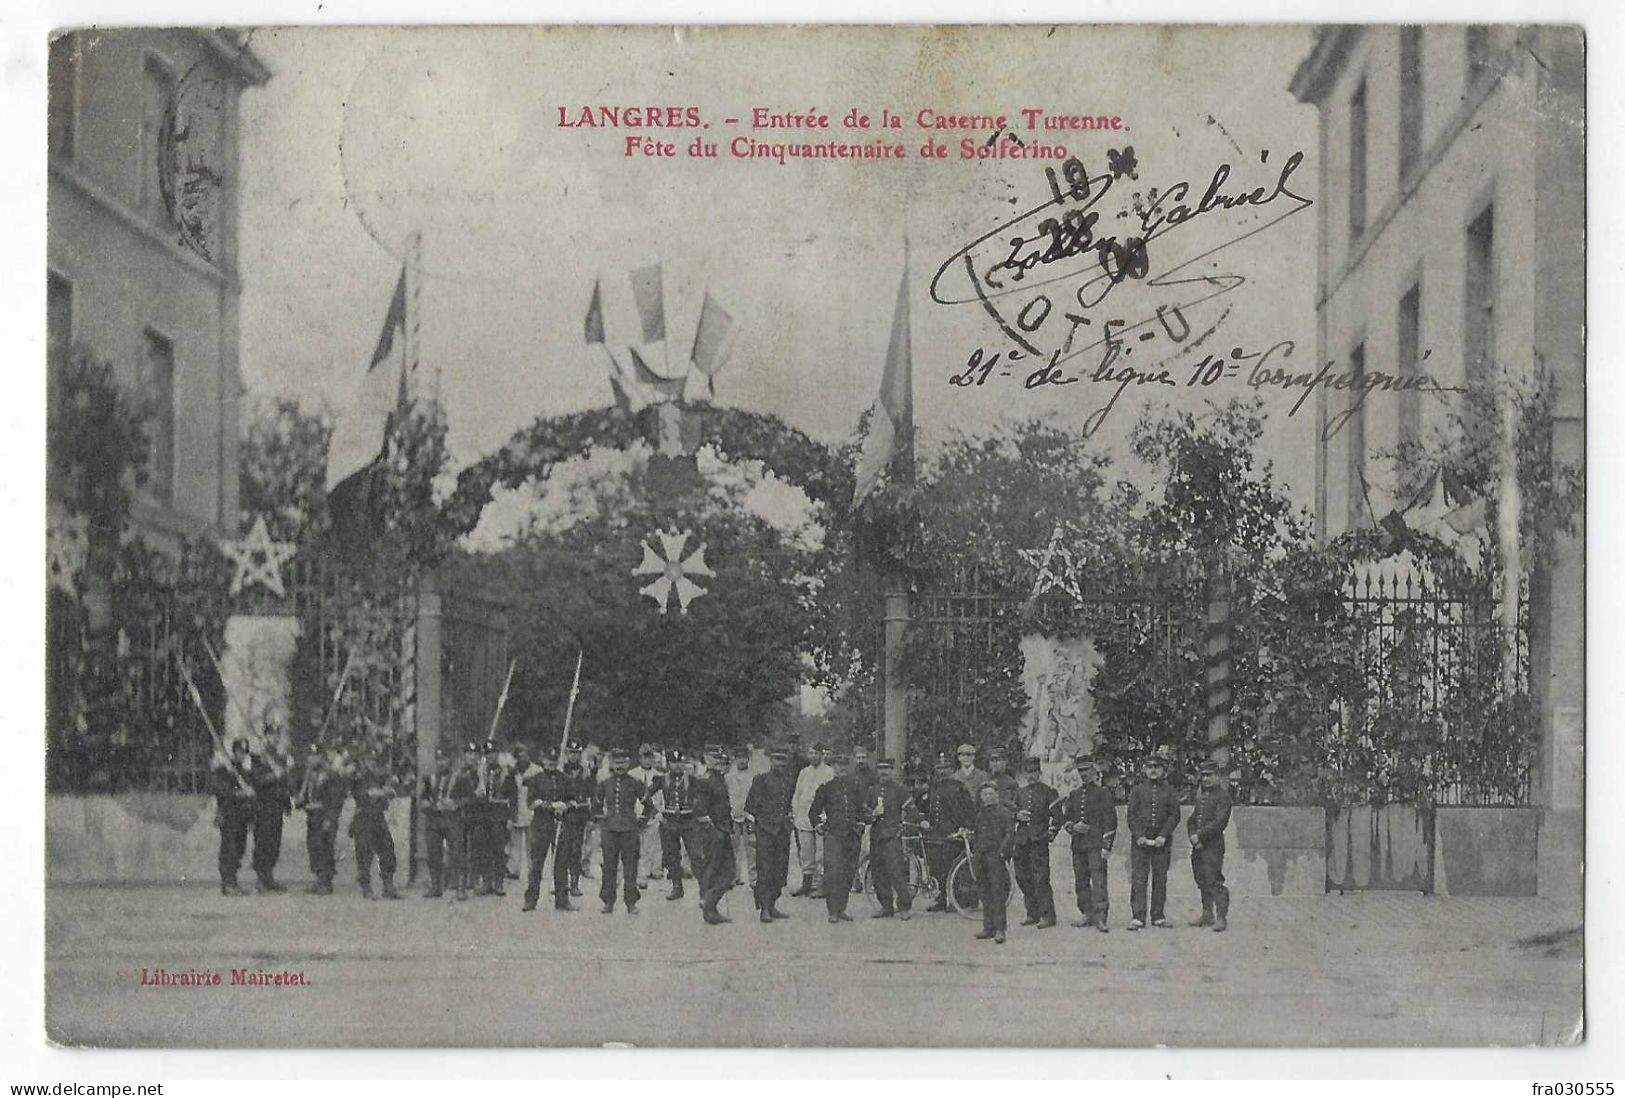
[1372,969]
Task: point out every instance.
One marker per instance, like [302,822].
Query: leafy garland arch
[736,434]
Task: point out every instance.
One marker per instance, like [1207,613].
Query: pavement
[1374,969]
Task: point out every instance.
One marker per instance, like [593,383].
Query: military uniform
[620,804]
[323,804]
[769,804]
[1090,816]
[271,804]
[1035,801]
[1153,813]
[951,809]
[713,814]
[991,848]
[839,804]
[546,789]
[888,865]
[1209,817]
[372,789]
[678,830]
[1001,778]
[487,813]
[234,813]
[445,797]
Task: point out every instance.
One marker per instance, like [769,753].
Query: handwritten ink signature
[1016,271]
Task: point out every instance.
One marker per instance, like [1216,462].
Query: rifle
[502,701]
[332,708]
[570,709]
[214,733]
[242,711]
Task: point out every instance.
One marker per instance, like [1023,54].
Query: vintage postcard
[816,536]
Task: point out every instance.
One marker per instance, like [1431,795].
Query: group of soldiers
[829,808]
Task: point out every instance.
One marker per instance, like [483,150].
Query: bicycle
[964,893]
[920,880]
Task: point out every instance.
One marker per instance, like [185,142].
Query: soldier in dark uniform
[768,810]
[573,828]
[952,808]
[991,848]
[372,788]
[621,805]
[1209,817]
[678,829]
[1153,813]
[489,825]
[272,803]
[713,815]
[998,764]
[1035,805]
[233,788]
[551,794]
[839,814]
[1090,817]
[887,863]
[322,796]
[446,792]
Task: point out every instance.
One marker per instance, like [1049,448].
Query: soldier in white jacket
[808,852]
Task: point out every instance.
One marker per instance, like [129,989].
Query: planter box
[1379,848]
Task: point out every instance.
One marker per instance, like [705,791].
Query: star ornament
[672,570]
[258,560]
[1057,570]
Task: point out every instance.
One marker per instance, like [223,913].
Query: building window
[1410,99]
[1478,333]
[1354,428]
[1478,53]
[1357,135]
[157,104]
[158,381]
[1409,358]
[62,91]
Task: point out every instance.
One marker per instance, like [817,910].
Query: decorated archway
[733,598]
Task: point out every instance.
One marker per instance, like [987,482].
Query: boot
[1221,915]
[773,912]
[366,890]
[325,888]
[389,889]
[1206,918]
[676,892]
[562,903]
[1046,922]
[530,905]
[806,886]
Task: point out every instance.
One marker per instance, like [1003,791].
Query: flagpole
[410,352]
[896,610]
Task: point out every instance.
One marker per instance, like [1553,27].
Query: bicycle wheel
[963,892]
[867,879]
[920,881]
